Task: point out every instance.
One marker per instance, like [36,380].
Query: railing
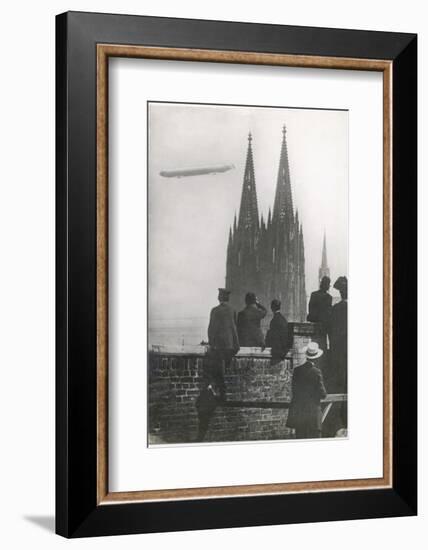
[202,350]
[299,329]
[330,399]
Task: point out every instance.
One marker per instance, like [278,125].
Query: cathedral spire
[283,206]
[324,270]
[266,255]
[296,221]
[249,213]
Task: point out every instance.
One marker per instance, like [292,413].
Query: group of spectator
[228,333]
[325,368]
[332,340]
[249,328]
[332,333]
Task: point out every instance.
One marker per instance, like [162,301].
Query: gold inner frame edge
[104,52]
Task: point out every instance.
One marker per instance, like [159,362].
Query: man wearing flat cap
[307,386]
[277,337]
[223,341]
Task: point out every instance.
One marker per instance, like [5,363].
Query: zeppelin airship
[187,172]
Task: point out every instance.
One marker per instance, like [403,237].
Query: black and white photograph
[192,193]
[247,273]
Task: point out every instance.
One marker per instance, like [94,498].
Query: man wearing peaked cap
[223,345]
[222,339]
[223,294]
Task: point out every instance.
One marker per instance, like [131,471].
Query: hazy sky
[189,218]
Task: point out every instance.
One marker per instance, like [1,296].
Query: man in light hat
[308,389]
[222,339]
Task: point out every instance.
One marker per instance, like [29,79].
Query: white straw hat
[313,351]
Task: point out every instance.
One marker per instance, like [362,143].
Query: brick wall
[176,378]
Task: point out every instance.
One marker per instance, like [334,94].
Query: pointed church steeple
[249,213]
[296,222]
[324,270]
[283,206]
[230,237]
[266,255]
[230,244]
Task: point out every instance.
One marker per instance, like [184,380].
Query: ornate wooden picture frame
[84,504]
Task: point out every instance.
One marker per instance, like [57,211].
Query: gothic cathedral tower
[268,257]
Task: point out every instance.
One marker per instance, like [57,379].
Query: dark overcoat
[338,336]
[319,307]
[222,332]
[277,337]
[307,391]
[249,332]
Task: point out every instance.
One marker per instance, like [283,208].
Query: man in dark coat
[308,389]
[338,335]
[277,337]
[319,310]
[205,404]
[223,340]
[249,332]
[337,368]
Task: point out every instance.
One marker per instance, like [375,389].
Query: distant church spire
[283,205]
[249,213]
[324,270]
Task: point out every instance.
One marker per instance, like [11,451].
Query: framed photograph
[236,274]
